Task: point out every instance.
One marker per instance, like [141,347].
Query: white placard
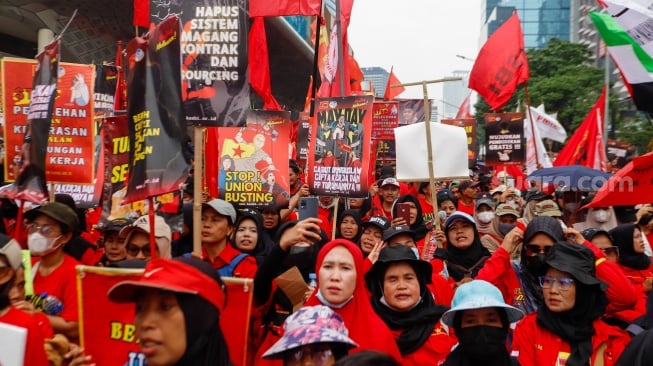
[13,340]
[449,148]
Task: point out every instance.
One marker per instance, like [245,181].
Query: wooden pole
[530,117]
[198,176]
[335,218]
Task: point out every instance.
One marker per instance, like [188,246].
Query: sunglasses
[611,250]
[133,250]
[563,282]
[532,249]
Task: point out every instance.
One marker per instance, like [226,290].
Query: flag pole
[341,61]
[427,124]
[198,176]
[530,118]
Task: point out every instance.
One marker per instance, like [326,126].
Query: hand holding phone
[403,211]
[307,207]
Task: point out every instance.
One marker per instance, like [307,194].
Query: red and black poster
[158,156]
[411,111]
[303,137]
[385,119]
[340,147]
[106,79]
[70,159]
[469,124]
[504,134]
[29,165]
[116,146]
[214,58]
[253,167]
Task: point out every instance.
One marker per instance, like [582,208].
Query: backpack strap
[228,270]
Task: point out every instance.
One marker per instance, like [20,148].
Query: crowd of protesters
[493,275]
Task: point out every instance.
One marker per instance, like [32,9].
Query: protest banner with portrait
[215,89]
[469,124]
[159,158]
[338,164]
[504,135]
[385,119]
[411,111]
[253,162]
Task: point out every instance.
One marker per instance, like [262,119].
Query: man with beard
[10,262]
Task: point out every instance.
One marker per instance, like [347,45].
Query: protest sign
[411,111]
[253,167]
[106,80]
[338,164]
[504,133]
[303,137]
[385,119]
[235,318]
[469,124]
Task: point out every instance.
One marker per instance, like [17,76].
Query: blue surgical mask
[505,228]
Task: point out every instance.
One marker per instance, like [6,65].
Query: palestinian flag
[635,65]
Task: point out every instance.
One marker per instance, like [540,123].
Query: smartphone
[307,207]
[403,211]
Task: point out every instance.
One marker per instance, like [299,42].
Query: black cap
[378,221]
[396,230]
[116,225]
[576,260]
[536,195]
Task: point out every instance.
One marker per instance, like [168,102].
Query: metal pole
[341,61]
[607,100]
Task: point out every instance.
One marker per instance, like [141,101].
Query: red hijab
[365,327]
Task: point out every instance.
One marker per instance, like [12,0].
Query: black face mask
[535,264]
[483,341]
[505,228]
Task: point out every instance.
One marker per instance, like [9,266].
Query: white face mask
[485,217]
[39,245]
[601,215]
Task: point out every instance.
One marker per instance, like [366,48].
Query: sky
[420,38]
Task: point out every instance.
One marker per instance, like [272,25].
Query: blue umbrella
[571,177]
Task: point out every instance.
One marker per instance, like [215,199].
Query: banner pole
[198,176]
[153,245]
[530,118]
[341,55]
[51,192]
[335,218]
[429,148]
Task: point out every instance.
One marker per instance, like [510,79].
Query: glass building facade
[541,20]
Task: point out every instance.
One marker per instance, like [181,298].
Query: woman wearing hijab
[349,225]
[567,329]
[178,303]
[341,286]
[505,219]
[416,224]
[484,213]
[518,282]
[248,234]
[397,281]
[464,255]
[632,259]
[481,321]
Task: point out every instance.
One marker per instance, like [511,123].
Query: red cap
[174,276]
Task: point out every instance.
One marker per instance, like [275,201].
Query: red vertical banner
[341,141]
[106,329]
[253,166]
[235,318]
[469,124]
[303,137]
[504,135]
[385,119]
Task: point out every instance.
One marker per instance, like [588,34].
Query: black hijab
[416,324]
[622,236]
[418,227]
[464,262]
[357,217]
[260,250]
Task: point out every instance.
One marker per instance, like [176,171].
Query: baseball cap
[378,221]
[116,225]
[310,325]
[162,233]
[467,184]
[389,181]
[58,212]
[396,230]
[547,208]
[11,249]
[458,215]
[536,195]
[484,198]
[181,275]
[506,209]
[223,208]
[499,189]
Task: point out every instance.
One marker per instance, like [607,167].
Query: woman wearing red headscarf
[341,286]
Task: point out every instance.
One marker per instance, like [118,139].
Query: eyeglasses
[45,229]
[564,282]
[611,250]
[133,250]
[320,354]
[532,249]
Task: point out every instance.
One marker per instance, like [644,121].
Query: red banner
[469,124]
[385,119]
[253,167]
[340,147]
[106,329]
[235,318]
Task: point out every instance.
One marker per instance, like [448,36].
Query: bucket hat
[479,294]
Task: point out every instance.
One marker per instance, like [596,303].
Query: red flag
[120,98]
[355,74]
[465,108]
[390,92]
[275,8]
[259,65]
[142,13]
[331,86]
[585,146]
[501,65]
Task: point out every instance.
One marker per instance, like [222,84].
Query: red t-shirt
[62,284]
[427,210]
[34,351]
[245,269]
[468,209]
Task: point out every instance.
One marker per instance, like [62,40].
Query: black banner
[106,78]
[159,159]
[214,53]
[504,134]
[31,184]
